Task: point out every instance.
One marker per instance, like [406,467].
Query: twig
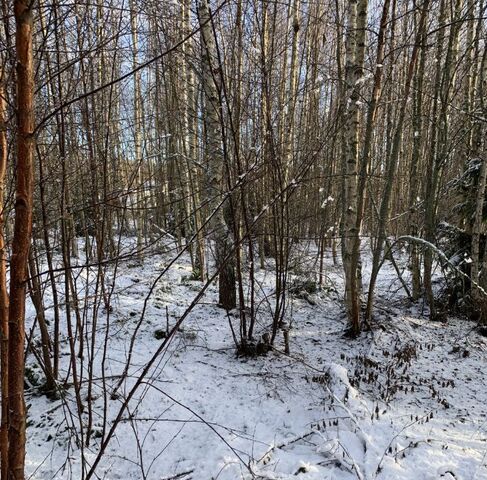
[179,475]
[286,444]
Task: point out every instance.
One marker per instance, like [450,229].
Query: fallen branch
[286,444]
[178,475]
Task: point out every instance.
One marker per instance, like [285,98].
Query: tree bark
[221,233]
[366,152]
[355,48]
[3,288]
[478,274]
[22,236]
[414,172]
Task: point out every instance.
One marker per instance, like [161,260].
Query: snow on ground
[404,401]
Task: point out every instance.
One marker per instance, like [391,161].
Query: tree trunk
[414,172]
[22,236]
[355,48]
[220,233]
[478,274]
[139,224]
[3,288]
[366,153]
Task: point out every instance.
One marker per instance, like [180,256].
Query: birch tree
[355,49]
[216,168]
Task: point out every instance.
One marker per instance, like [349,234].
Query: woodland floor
[407,400]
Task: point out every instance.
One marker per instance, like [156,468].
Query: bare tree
[3,286]
[355,50]
[217,167]
[22,237]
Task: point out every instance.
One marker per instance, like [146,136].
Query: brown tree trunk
[3,290]
[22,236]
[46,344]
[415,173]
[355,268]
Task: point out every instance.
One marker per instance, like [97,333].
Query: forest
[243,239]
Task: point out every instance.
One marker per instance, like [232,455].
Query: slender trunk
[221,233]
[137,132]
[479,262]
[366,153]
[22,236]
[3,289]
[355,48]
[414,179]
[46,344]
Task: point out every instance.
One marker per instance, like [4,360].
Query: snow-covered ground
[406,400]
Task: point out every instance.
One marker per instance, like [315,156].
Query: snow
[327,200]
[404,401]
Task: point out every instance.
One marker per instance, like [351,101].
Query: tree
[217,165]
[355,50]
[479,260]
[3,287]
[22,236]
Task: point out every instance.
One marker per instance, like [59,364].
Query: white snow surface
[418,410]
